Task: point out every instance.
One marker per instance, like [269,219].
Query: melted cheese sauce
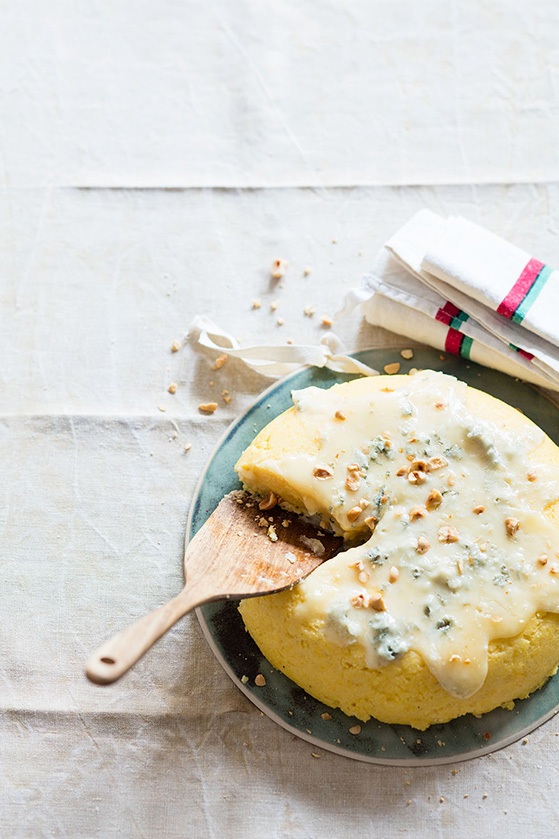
[459,551]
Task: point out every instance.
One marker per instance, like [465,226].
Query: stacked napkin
[456,286]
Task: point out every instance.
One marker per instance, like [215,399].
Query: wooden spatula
[242,550]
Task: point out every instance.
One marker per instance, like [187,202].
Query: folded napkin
[444,282]
[455,285]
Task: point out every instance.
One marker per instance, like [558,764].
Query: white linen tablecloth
[154,160]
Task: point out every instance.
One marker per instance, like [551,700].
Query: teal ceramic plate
[281,699]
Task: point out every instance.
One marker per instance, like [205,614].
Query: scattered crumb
[161,408]
[225,395]
[172,387]
[327,321]
[187,447]
[442,357]
[466,795]
[487,735]
[391,369]
[208,407]
[441,799]
[484,796]
[279,268]
[307,271]
[524,741]
[244,679]
[314,754]
[454,772]
[334,241]
[309,311]
[272,535]
[274,305]
[289,341]
[260,680]
[408,802]
[326,716]
[175,346]
[220,361]
[407,354]
[256,303]
[355,729]
[280,321]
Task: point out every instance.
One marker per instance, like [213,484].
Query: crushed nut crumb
[422,545]
[220,361]
[256,303]
[355,729]
[391,369]
[260,680]
[407,354]
[269,502]
[175,346]
[309,311]
[417,512]
[479,510]
[279,268]
[172,387]
[326,716]
[339,415]
[393,574]
[280,321]
[376,602]
[354,513]
[208,407]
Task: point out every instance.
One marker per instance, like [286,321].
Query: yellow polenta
[399,678]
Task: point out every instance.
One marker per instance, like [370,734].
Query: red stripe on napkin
[447,313]
[520,289]
[453,341]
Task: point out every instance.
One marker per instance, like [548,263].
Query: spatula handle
[117,655]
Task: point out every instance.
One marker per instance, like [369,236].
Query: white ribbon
[278,360]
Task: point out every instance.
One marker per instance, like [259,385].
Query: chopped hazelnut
[402,471]
[326,716]
[172,387]
[354,513]
[434,499]
[417,477]
[327,321]
[479,509]
[309,311]
[407,354]
[363,577]
[269,502]
[256,303]
[339,415]
[376,602]
[355,729]
[260,680]
[175,347]
[422,545]
[532,476]
[393,574]
[437,462]
[542,559]
[511,525]
[322,473]
[418,512]
[448,534]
